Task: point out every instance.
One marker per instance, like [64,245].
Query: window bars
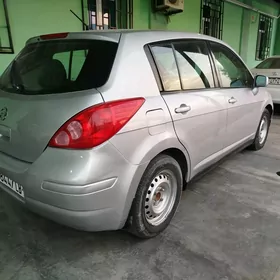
[212,12]
[110,14]
[264,37]
[6,43]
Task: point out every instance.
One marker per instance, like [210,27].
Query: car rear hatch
[52,79]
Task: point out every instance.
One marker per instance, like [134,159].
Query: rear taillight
[96,124]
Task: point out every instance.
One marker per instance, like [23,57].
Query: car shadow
[24,233]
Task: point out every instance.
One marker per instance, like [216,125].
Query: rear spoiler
[111,36]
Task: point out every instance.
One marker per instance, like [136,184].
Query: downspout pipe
[240,4]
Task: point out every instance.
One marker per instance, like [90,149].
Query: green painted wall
[189,20]
[252,40]
[269,7]
[232,25]
[30,18]
[277,39]
[239,29]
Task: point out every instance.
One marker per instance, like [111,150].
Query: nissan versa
[101,130]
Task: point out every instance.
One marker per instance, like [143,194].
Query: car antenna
[84,24]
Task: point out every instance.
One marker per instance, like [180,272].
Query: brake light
[54,36]
[96,124]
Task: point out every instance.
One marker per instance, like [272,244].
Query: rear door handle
[183,109]
[232,100]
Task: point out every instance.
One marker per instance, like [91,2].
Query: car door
[198,110]
[244,104]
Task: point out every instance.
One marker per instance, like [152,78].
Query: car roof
[155,34]
[145,35]
[147,32]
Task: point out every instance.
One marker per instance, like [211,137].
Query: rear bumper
[95,220]
[87,190]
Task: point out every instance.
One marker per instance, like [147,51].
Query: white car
[101,130]
[270,67]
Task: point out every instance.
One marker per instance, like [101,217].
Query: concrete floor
[227,227]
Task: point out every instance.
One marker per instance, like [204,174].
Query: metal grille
[264,37]
[212,12]
[110,14]
[6,43]
[125,14]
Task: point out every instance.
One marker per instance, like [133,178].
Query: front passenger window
[232,72]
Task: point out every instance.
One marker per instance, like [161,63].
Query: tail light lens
[96,124]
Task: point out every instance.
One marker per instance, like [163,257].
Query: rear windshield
[270,63]
[60,66]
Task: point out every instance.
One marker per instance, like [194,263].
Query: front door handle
[183,109]
[232,100]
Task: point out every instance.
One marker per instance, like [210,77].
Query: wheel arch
[176,153]
[270,109]
[180,157]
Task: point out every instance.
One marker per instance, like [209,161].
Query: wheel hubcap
[160,197]
[263,130]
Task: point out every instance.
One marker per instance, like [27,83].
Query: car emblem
[3,113]
[274,73]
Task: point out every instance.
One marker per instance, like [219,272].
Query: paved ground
[227,227]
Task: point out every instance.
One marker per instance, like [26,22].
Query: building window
[212,12]
[125,14]
[110,14]
[264,37]
[6,44]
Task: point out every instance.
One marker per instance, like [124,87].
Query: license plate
[17,188]
[274,81]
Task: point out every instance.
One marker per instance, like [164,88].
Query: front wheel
[262,132]
[157,197]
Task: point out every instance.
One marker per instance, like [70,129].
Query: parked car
[270,67]
[101,130]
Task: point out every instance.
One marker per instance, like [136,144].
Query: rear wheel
[157,197]
[262,132]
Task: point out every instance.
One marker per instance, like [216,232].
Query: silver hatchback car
[102,130]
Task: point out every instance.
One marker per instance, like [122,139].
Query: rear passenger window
[166,65]
[194,64]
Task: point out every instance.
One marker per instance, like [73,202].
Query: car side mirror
[261,81]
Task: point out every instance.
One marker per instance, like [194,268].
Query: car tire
[157,197]
[262,132]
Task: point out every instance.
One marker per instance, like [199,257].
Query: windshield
[270,63]
[60,66]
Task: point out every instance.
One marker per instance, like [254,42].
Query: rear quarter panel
[131,75]
[151,130]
